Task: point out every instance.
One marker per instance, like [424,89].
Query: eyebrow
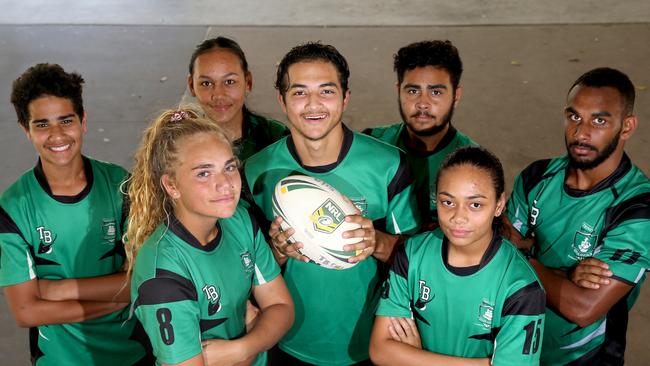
[59,118]
[294,86]
[223,76]
[595,114]
[429,86]
[210,165]
[468,197]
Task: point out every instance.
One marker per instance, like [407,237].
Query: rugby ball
[316,211]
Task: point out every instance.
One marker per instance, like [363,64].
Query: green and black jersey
[611,223]
[257,133]
[494,309]
[57,237]
[424,165]
[334,309]
[186,293]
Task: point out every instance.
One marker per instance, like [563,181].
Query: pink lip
[221,108]
[459,233]
[224,199]
[581,150]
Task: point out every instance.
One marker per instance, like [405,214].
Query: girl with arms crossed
[461,295]
[197,253]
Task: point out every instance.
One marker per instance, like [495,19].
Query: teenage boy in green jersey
[592,202]
[220,80]
[61,228]
[334,309]
[428,89]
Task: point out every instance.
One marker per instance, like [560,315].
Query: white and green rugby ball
[316,211]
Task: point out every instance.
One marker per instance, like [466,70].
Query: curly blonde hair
[156,156]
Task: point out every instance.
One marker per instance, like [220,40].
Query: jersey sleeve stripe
[260,278]
[528,300]
[533,174]
[637,207]
[402,178]
[401,262]
[166,287]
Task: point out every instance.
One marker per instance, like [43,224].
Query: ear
[170,186]
[281,101]
[26,130]
[501,205]
[190,85]
[346,99]
[629,126]
[84,125]
[457,94]
[249,82]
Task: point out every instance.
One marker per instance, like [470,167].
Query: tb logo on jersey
[214,299]
[46,240]
[534,213]
[425,296]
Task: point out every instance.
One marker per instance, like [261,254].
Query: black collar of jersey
[444,142]
[622,169]
[177,228]
[245,127]
[348,136]
[492,249]
[42,181]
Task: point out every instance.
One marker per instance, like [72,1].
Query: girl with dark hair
[462,294]
[220,80]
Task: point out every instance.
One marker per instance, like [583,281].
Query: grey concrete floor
[519,60]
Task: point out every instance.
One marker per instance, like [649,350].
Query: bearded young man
[428,89]
[585,217]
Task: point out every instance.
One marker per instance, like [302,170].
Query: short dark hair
[312,51]
[42,80]
[607,77]
[222,43]
[480,158]
[439,54]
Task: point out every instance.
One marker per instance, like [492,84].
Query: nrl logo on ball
[327,217]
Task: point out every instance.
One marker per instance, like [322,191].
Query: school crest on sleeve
[109,231]
[485,314]
[584,241]
[247,262]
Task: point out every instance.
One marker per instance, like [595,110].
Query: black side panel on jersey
[166,287]
[401,262]
[402,178]
[34,350]
[207,324]
[637,207]
[528,300]
[7,224]
[251,214]
[533,174]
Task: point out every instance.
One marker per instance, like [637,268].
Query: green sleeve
[519,340]
[266,268]
[16,261]
[395,299]
[517,207]
[172,326]
[625,250]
